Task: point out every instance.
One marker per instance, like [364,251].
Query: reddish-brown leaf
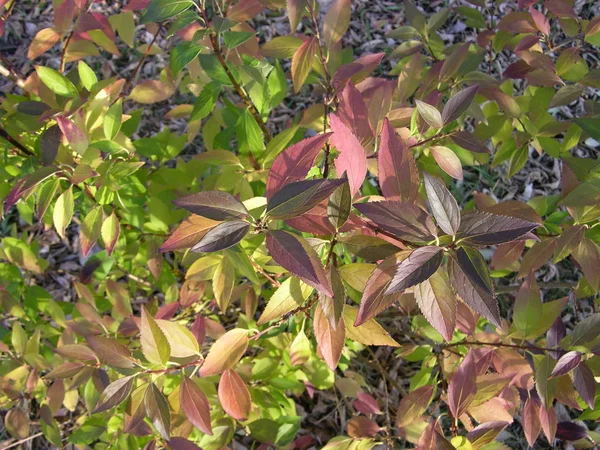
[294,163]
[549,422]
[234,396]
[225,352]
[482,228]
[418,267]
[302,62]
[111,352]
[362,427]
[531,421]
[43,41]
[414,405]
[352,159]
[354,113]
[398,174]
[437,302]
[458,103]
[214,205]
[294,254]
[585,384]
[114,394]
[448,161]
[194,405]
[188,233]
[222,236]
[329,340]
[366,404]
[462,386]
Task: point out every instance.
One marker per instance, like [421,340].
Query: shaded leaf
[49,143]
[222,236]
[369,333]
[470,278]
[462,387]
[530,421]
[398,174]
[158,10]
[194,405]
[437,302]
[336,22]
[302,62]
[414,405]
[339,206]
[418,267]
[293,253]
[299,197]
[114,394]
[111,352]
[158,411]
[585,384]
[566,363]
[458,103]
[188,233]
[482,228]
[215,205]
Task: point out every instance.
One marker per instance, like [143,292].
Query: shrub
[296,253]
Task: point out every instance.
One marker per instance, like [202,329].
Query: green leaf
[249,135]
[234,39]
[528,308]
[214,69]
[112,120]
[56,82]
[182,55]
[63,211]
[591,126]
[155,345]
[158,10]
[86,75]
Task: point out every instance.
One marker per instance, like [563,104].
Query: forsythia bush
[249,273]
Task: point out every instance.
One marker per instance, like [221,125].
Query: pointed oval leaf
[290,295]
[63,211]
[234,396]
[482,228]
[293,253]
[155,346]
[471,280]
[336,22]
[352,159]
[414,405]
[215,205]
[418,267]
[430,114]
[339,206]
[194,405]
[437,302]
[294,163]
[531,421]
[114,394]
[458,104]
[57,83]
[181,341]
[448,161]
[585,384]
[110,231]
[157,409]
[296,198]
[302,62]
[329,340]
[443,205]
[398,174]
[222,236]
[407,221]
[369,333]
[188,233]
[225,352]
[462,386]
[566,363]
[374,299]
[111,352]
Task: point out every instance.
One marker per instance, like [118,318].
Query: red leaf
[585,384]
[549,422]
[329,340]
[531,421]
[359,69]
[462,386]
[366,404]
[418,267]
[352,159]
[194,405]
[407,221]
[566,363]
[179,443]
[188,233]
[374,300]
[294,163]
[353,112]
[234,396]
[296,255]
[398,174]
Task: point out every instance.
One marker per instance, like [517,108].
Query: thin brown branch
[502,344]
[63,57]
[239,89]
[23,441]
[516,287]
[7,70]
[26,152]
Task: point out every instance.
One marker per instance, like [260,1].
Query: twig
[17,144]
[516,287]
[64,52]
[22,441]
[501,344]
[7,71]
[239,89]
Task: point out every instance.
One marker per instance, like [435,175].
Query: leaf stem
[4,134]
[64,52]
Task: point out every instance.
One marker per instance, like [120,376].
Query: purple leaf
[462,386]
[458,104]
[443,205]
[294,162]
[299,197]
[437,302]
[470,277]
[374,300]
[223,236]
[569,431]
[49,143]
[486,432]
[469,142]
[418,267]
[398,174]
[366,404]
[405,220]
[585,384]
[566,363]
[215,205]
[295,254]
[27,183]
[482,228]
